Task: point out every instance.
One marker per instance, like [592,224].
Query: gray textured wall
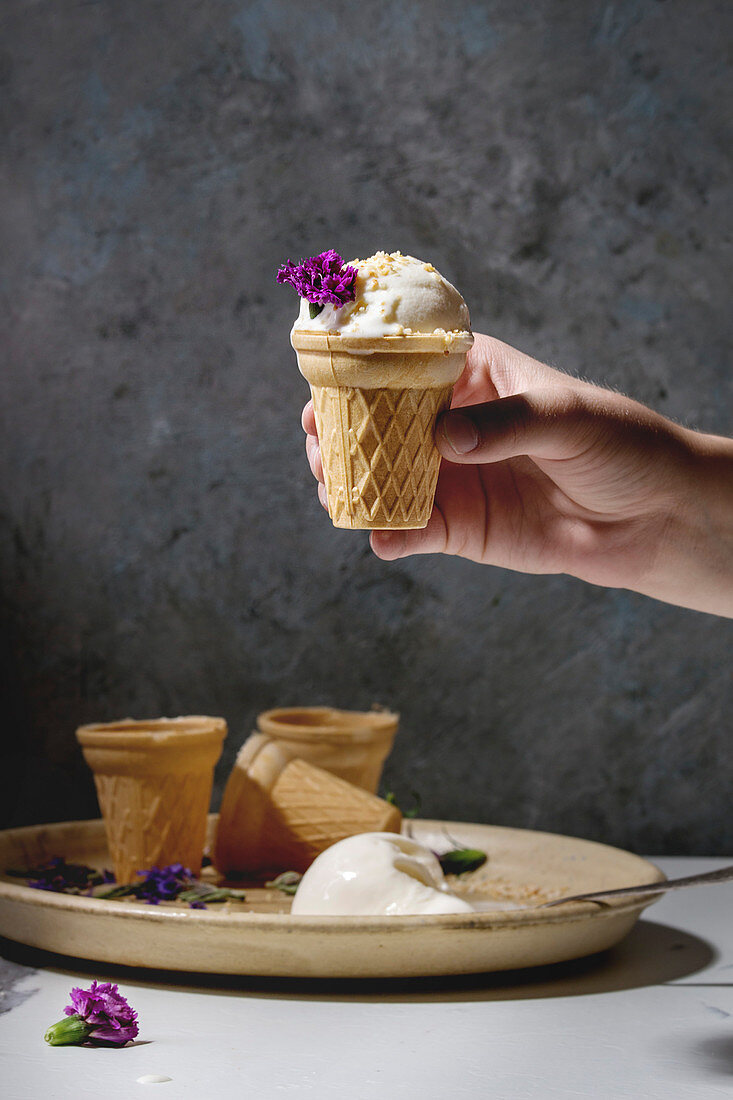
[566,164]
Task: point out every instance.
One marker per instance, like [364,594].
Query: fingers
[313,453]
[494,369]
[550,424]
[390,545]
[308,419]
[312,449]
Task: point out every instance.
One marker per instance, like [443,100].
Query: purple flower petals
[177,883]
[172,883]
[322,280]
[99,1015]
[63,878]
[164,883]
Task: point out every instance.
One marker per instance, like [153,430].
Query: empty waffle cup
[278,812]
[154,780]
[351,744]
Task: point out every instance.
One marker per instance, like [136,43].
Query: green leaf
[462,860]
[210,895]
[124,890]
[193,894]
[314,309]
[391,797]
[415,810]
[286,883]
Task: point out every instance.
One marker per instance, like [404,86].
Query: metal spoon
[725,874]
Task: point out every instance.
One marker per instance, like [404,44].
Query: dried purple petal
[163,883]
[171,883]
[63,878]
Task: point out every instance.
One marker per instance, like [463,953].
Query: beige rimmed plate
[259,937]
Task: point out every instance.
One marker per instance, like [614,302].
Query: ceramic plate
[259,937]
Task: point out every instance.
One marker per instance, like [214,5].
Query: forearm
[694,567]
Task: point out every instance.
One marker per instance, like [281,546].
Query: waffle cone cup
[351,744]
[154,781]
[376,400]
[279,812]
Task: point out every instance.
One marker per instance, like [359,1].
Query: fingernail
[460,433]
[388,544]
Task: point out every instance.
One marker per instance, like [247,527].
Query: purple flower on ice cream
[322,280]
[99,1015]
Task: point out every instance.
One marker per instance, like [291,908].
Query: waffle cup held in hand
[351,744]
[376,401]
[154,781]
[279,812]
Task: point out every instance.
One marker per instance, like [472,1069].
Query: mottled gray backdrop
[566,164]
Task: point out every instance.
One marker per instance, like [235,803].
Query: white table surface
[650,1020]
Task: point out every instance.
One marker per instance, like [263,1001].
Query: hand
[544,473]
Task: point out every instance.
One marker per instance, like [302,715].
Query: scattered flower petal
[63,878]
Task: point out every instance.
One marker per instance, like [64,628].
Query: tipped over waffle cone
[278,812]
[154,781]
[376,401]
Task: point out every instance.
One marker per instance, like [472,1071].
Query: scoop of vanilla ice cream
[375,874]
[396,295]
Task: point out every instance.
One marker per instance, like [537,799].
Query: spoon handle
[725,874]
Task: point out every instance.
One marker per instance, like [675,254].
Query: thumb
[551,424]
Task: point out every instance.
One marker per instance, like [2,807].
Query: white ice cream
[375,874]
[396,295]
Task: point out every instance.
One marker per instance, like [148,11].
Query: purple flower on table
[104,1006]
[98,1015]
[322,280]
